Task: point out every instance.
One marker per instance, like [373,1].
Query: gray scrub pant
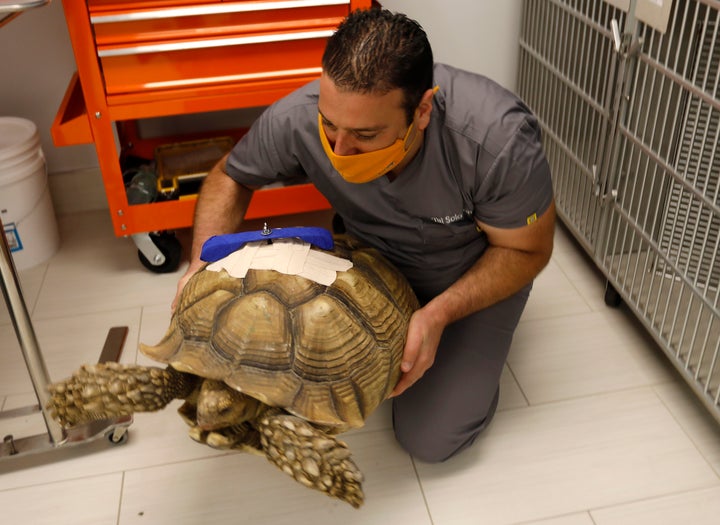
[443,413]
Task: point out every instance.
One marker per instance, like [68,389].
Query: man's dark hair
[376,51]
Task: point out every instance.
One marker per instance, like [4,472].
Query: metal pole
[26,335]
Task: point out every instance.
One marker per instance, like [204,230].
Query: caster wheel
[170,247]
[118,436]
[612,297]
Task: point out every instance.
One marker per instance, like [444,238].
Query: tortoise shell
[328,354]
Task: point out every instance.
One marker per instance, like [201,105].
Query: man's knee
[433,441]
[432,448]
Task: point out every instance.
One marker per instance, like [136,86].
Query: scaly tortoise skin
[273,364]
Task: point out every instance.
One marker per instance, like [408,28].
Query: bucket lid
[17,135]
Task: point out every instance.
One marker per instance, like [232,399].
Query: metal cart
[628,94]
[143,59]
[46,446]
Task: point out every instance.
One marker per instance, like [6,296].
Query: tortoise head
[220,406]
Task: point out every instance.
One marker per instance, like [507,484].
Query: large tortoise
[271,363]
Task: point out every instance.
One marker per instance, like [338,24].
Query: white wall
[477,35]
[36,63]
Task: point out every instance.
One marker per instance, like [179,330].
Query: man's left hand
[419,354]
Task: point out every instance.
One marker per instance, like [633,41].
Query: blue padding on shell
[219,246]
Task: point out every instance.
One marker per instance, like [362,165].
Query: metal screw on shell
[265,230]
[98,115]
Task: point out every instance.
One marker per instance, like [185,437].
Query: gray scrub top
[482,159]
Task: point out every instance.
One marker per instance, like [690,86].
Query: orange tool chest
[139,59]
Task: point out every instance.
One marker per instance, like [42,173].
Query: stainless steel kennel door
[631,114]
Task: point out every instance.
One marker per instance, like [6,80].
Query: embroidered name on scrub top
[461,216]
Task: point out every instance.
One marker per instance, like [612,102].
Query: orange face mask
[365,167]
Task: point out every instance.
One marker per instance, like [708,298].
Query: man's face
[358,123]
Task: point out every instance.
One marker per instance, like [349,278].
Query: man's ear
[424,109]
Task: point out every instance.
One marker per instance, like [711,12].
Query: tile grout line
[588,395]
[654,497]
[533,521]
[574,285]
[108,472]
[120,499]
[682,427]
[422,490]
[517,382]
[108,310]
[31,309]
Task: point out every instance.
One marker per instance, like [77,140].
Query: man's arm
[220,209]
[513,258]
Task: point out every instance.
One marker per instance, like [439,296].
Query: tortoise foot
[312,457]
[110,390]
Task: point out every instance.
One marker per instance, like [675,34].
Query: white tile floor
[594,426]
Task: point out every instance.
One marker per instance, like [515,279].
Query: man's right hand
[192,270]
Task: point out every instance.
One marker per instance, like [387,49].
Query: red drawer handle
[216,42]
[216,9]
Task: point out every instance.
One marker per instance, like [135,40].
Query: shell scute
[197,321]
[254,330]
[290,290]
[203,284]
[329,340]
[379,270]
[328,404]
[278,389]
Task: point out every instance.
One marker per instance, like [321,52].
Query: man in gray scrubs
[441,170]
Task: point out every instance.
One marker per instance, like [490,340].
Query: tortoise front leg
[311,456]
[110,390]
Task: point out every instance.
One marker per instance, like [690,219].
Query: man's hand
[419,354]
[181,284]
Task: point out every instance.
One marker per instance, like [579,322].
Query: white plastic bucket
[25,204]
[17,136]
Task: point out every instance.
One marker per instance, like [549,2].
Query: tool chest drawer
[116,25]
[161,67]
[146,59]
[180,46]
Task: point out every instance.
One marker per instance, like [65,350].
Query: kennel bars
[630,112]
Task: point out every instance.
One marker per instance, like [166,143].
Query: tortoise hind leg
[110,390]
[311,456]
